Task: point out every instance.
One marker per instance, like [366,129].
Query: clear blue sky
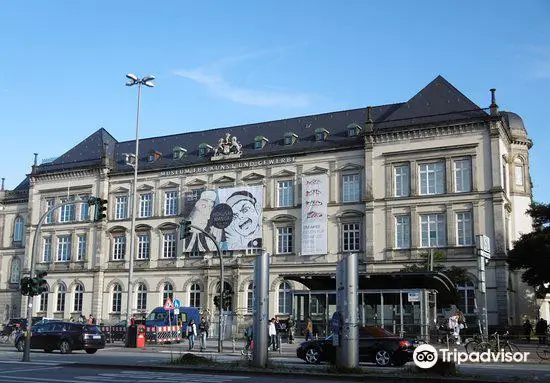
[224,63]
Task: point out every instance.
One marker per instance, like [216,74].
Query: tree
[458,275]
[531,252]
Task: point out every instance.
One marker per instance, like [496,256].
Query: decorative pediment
[227,148]
[253,177]
[315,170]
[284,173]
[168,226]
[350,167]
[195,182]
[145,187]
[170,185]
[223,179]
[120,190]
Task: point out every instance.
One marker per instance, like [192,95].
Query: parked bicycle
[543,351]
[495,342]
[246,351]
[9,333]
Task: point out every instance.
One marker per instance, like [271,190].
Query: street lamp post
[147,81]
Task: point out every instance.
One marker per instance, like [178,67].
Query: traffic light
[227,297]
[39,284]
[100,209]
[185,229]
[26,286]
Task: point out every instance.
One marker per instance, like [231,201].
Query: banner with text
[314,214]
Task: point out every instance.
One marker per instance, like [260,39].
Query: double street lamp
[147,81]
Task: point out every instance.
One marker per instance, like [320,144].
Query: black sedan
[375,345]
[63,336]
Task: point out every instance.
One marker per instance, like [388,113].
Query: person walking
[309,329]
[527,330]
[203,333]
[191,333]
[291,327]
[540,330]
[454,326]
[272,331]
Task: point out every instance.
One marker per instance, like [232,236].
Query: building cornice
[424,132]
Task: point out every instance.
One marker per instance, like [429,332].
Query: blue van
[161,317]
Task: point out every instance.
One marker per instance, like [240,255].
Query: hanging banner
[314,214]
[232,215]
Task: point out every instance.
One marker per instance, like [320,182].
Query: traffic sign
[168,304]
[177,303]
[176,311]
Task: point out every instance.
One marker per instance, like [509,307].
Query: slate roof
[438,102]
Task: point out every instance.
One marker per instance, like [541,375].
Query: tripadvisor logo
[425,356]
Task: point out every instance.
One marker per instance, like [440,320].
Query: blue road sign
[177,303]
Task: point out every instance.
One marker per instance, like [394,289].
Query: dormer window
[204,149]
[321,134]
[179,152]
[259,142]
[290,138]
[153,156]
[354,130]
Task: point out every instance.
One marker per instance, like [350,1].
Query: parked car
[63,336]
[375,345]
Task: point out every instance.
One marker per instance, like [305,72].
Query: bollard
[233,341]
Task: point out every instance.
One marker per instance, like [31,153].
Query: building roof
[438,102]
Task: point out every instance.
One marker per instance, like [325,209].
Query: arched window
[518,172]
[44,300]
[15,271]
[116,306]
[167,292]
[285,298]
[18,230]
[195,295]
[250,297]
[61,291]
[142,297]
[78,298]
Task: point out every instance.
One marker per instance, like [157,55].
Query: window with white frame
[402,231]
[44,300]
[433,231]
[518,173]
[351,237]
[251,250]
[463,175]
[432,178]
[144,246]
[195,295]
[116,300]
[61,292]
[15,271]
[146,205]
[84,211]
[63,248]
[285,193]
[82,247]
[119,247]
[66,212]
[464,229]
[50,203]
[171,205]
[121,207]
[167,292]
[285,298]
[467,298]
[78,298]
[285,239]
[142,297]
[18,230]
[47,249]
[351,191]
[402,176]
[250,297]
[169,245]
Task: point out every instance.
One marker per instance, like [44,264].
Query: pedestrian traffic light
[185,229]
[227,297]
[39,284]
[25,286]
[100,209]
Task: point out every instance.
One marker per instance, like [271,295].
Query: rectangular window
[144,247]
[285,193]
[47,250]
[432,178]
[84,211]
[518,175]
[171,205]
[121,207]
[402,232]
[463,175]
[82,247]
[146,205]
[117,302]
[142,299]
[64,248]
[464,228]
[402,181]
[119,247]
[50,203]
[44,302]
[169,245]
[351,191]
[351,237]
[60,300]
[285,240]
[433,233]
[66,213]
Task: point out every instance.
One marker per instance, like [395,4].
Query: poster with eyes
[314,214]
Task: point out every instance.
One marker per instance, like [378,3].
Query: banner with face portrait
[232,215]
[314,214]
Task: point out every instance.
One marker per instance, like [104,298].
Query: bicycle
[495,342]
[246,351]
[543,351]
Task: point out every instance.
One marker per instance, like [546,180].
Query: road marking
[29,369]
[17,361]
[148,376]
[32,379]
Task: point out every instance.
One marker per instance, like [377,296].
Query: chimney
[369,124]
[493,107]
[2,187]
[35,163]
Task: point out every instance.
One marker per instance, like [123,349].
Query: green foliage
[531,252]
[458,275]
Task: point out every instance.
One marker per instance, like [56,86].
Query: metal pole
[261,310]
[133,223]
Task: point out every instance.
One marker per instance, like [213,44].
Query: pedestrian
[90,319]
[527,330]
[278,330]
[133,320]
[291,327]
[454,326]
[540,330]
[272,331]
[191,333]
[309,329]
[203,332]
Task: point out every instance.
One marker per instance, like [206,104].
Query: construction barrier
[153,334]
